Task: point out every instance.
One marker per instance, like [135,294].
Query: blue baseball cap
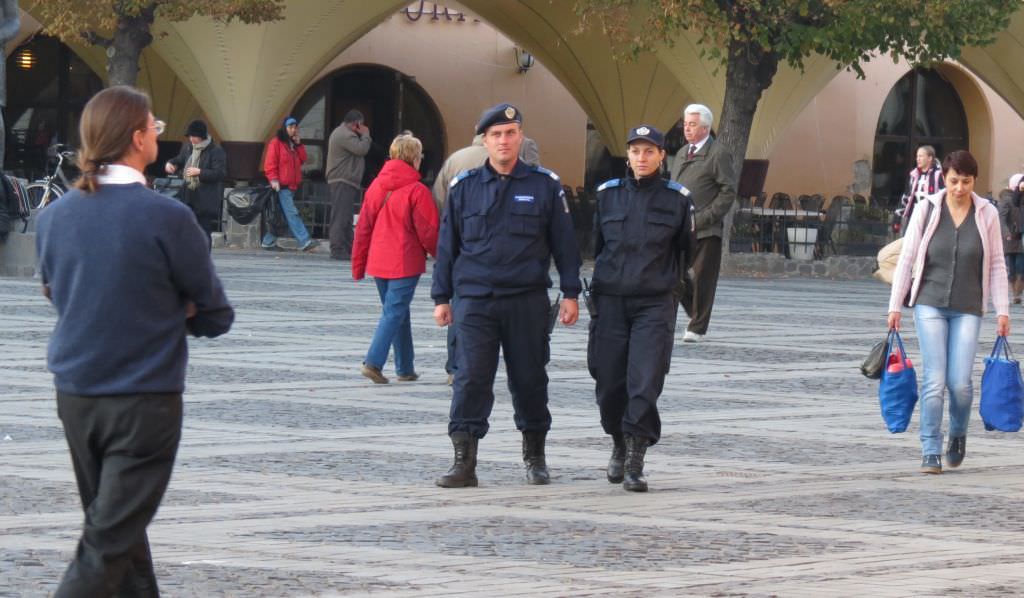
[646,133]
[290,121]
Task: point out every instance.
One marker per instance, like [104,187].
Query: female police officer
[643,238]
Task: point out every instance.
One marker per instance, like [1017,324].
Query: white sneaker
[692,337]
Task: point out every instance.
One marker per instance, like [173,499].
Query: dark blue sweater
[121,265]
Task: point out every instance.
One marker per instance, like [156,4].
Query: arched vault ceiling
[615,95]
[246,76]
[1000,64]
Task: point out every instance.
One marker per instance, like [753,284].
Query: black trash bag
[874,363]
[246,203]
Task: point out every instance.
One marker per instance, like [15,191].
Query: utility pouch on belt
[588,299]
[553,313]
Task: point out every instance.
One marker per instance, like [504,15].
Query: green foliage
[846,31]
[95,21]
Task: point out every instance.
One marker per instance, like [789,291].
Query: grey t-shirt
[953,265]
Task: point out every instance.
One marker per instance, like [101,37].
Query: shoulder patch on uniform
[543,170]
[460,176]
[677,187]
[609,184]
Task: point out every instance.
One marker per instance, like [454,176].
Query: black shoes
[633,478]
[931,464]
[617,463]
[533,457]
[462,473]
[955,451]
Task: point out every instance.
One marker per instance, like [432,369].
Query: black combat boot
[636,448]
[618,460]
[463,470]
[533,457]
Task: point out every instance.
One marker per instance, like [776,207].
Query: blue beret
[646,133]
[502,114]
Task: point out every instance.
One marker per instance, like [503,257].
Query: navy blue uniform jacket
[498,235]
[643,236]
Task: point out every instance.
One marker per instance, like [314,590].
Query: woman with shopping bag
[952,265]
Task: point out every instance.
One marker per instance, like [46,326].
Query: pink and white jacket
[915,248]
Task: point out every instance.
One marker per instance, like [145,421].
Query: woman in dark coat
[204,165]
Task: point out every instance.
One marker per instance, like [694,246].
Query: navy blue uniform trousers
[123,450]
[629,351]
[518,325]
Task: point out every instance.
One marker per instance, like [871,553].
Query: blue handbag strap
[894,336]
[1001,346]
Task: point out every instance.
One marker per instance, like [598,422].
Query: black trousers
[698,293]
[343,201]
[122,450]
[450,363]
[628,355]
[518,326]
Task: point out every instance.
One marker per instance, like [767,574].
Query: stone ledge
[774,265]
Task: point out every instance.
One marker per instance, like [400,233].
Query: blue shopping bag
[897,389]
[1002,391]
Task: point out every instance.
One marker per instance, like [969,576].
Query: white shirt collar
[700,144]
[119,174]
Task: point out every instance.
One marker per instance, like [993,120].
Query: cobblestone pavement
[299,477]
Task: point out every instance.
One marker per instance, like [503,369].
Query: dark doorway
[390,102]
[923,108]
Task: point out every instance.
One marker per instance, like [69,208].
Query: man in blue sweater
[130,276]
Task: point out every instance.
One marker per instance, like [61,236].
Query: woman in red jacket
[283,167]
[397,227]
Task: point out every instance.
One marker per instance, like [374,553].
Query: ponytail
[109,122]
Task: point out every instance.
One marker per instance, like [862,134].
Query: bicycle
[47,189]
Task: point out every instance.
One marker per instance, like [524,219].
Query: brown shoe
[408,377]
[374,373]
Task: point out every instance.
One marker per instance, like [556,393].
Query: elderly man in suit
[704,167]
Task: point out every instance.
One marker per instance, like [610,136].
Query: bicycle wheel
[40,194]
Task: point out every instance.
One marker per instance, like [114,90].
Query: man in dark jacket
[704,167]
[204,165]
[502,225]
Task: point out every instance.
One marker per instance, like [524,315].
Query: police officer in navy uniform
[643,240]
[501,226]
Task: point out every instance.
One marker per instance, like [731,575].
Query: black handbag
[874,362]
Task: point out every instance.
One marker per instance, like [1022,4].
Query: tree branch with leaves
[125,27]
[750,38]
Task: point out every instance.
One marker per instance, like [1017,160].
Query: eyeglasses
[159,126]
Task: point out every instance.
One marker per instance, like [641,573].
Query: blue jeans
[394,328]
[291,214]
[1014,265]
[949,343]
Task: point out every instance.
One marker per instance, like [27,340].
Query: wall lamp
[25,59]
[524,60]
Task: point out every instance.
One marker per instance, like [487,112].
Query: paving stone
[298,477]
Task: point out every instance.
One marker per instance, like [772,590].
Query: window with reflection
[923,108]
[47,88]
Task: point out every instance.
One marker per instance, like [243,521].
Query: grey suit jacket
[711,179]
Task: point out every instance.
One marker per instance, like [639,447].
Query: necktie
[692,150]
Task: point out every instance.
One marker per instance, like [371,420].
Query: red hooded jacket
[283,164]
[393,238]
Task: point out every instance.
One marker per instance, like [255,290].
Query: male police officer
[501,225]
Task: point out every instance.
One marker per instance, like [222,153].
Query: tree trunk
[132,36]
[749,71]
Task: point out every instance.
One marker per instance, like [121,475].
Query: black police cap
[646,133]
[502,114]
